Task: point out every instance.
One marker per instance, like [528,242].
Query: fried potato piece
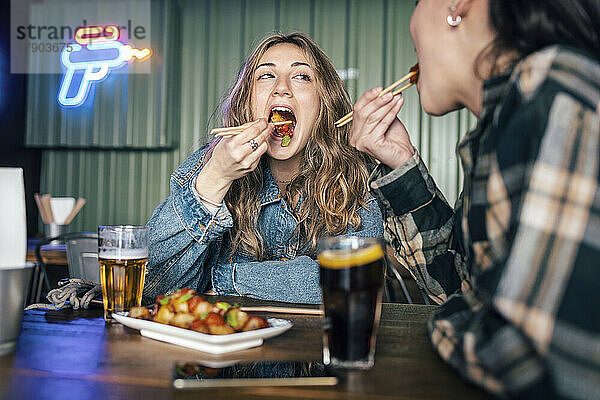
[236,318]
[139,312]
[255,323]
[180,307]
[164,315]
[182,320]
[217,325]
[203,308]
[181,296]
[198,325]
[193,303]
[221,308]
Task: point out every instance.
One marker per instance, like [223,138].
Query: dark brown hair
[523,27]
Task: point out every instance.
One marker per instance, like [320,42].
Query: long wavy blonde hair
[333,175]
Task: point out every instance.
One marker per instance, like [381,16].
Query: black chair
[82,255]
[398,289]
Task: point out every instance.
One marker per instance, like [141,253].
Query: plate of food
[185,319]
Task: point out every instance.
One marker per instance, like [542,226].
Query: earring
[452,21]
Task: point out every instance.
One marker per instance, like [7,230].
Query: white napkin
[13,224]
[61,208]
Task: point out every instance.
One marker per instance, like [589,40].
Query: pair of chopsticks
[284,310]
[45,207]
[236,130]
[411,77]
[78,206]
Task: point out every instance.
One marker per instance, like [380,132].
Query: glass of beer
[351,276]
[123,255]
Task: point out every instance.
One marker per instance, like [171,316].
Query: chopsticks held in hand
[411,77]
[236,130]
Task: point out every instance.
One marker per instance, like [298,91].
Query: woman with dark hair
[514,264]
[245,211]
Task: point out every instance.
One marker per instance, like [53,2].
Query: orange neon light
[96,34]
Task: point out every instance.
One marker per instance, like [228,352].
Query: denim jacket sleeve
[185,238]
[293,281]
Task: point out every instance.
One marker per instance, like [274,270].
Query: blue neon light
[92,63]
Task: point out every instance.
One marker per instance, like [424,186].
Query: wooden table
[51,254]
[73,354]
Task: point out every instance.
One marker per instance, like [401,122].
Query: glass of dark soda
[351,278]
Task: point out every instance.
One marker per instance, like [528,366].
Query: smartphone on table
[253,373]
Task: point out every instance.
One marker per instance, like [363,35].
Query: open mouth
[283,131]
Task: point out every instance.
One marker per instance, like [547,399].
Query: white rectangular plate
[214,344]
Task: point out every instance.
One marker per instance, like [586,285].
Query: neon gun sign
[90,59]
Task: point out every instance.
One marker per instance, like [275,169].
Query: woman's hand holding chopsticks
[377,131]
[405,82]
[233,157]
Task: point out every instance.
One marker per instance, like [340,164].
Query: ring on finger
[254,144]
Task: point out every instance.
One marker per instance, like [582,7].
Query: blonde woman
[245,212]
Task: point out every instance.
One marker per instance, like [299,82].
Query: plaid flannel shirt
[514,265]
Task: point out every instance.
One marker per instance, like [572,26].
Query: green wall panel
[331,26]
[121,187]
[368,42]
[365,44]
[297,16]
[261,17]
[127,110]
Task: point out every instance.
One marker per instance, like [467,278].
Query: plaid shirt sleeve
[525,323]
[418,226]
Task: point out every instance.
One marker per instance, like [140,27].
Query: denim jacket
[189,247]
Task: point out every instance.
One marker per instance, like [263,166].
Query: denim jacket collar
[270,193]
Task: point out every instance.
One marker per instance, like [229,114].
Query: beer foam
[339,259]
[123,254]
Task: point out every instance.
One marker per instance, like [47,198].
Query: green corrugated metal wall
[124,186]
[129,110]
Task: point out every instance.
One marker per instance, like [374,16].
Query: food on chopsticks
[236,130]
[280,114]
[185,309]
[412,77]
